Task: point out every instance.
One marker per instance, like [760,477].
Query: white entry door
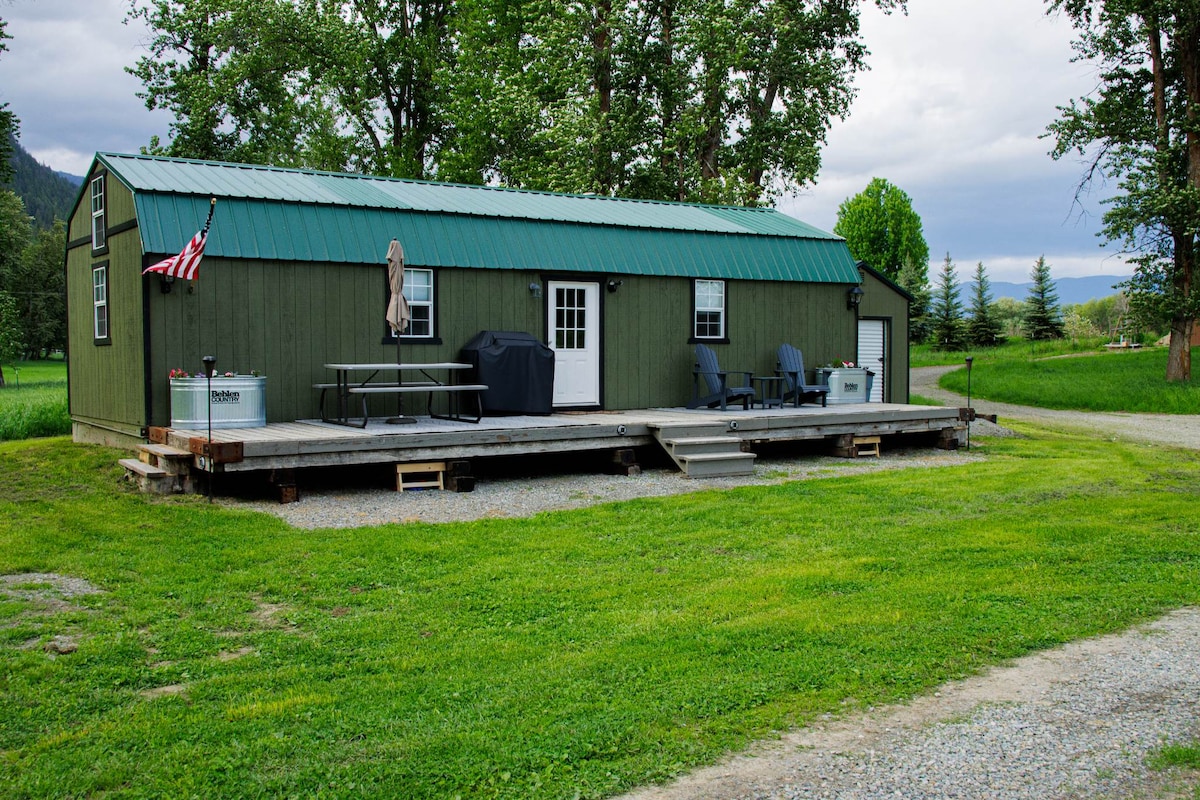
[574,314]
[872,347]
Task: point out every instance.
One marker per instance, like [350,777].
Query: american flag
[187,263]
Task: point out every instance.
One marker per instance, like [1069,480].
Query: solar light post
[210,366]
[971,412]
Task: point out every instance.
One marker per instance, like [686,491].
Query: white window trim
[100,303]
[99,232]
[414,304]
[697,308]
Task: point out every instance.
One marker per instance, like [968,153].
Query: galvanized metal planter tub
[847,385]
[237,402]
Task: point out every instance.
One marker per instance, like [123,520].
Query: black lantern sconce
[854,297]
[165,282]
[614,285]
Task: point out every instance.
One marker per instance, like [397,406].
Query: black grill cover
[517,368]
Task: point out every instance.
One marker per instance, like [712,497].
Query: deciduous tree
[681,99]
[1140,128]
[11,344]
[881,228]
[40,287]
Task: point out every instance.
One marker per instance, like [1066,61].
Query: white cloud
[953,112]
[64,77]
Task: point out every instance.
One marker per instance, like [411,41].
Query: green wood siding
[649,355]
[287,319]
[105,382]
[881,301]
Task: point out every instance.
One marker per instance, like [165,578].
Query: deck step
[690,430]
[705,450]
[718,465]
[148,477]
[698,445]
[169,459]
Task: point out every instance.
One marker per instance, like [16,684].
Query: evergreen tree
[9,124]
[46,194]
[983,330]
[914,279]
[949,332]
[1043,318]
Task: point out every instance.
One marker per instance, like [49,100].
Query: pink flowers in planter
[183,373]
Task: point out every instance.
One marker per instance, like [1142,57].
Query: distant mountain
[1070,290]
[74,180]
[46,193]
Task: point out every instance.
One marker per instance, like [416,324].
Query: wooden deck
[312,443]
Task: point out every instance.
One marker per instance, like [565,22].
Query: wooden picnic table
[347,384]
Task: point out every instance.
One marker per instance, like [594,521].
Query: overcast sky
[951,112]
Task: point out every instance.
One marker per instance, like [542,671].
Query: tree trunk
[602,85]
[1183,319]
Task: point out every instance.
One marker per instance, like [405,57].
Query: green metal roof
[286,214]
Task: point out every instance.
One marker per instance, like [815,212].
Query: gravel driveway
[1075,722]
[1171,429]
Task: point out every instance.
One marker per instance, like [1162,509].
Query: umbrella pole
[400,419]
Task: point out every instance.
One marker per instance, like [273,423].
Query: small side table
[770,389]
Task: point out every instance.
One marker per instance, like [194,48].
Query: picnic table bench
[345,387]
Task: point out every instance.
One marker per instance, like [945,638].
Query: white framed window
[100,302]
[709,314]
[99,235]
[418,291]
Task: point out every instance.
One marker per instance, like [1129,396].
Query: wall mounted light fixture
[165,282]
[614,285]
[854,297]
[535,290]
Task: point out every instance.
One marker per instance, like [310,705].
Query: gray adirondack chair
[791,368]
[716,382]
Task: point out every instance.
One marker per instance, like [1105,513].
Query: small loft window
[709,315]
[99,239]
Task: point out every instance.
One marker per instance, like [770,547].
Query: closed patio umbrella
[397,311]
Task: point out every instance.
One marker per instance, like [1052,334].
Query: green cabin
[294,277]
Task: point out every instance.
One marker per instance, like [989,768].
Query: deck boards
[309,443]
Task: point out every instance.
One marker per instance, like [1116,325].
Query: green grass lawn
[1015,349]
[572,654]
[34,400]
[1124,381]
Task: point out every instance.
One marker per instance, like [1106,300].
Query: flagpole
[212,206]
